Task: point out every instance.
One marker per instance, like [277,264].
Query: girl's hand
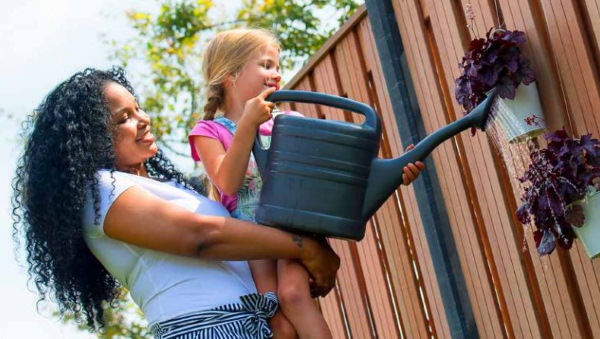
[411,170]
[258,110]
[322,264]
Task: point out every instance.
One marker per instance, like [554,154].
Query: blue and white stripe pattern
[246,320]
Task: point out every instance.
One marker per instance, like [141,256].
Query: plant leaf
[525,71]
[506,89]
[596,183]
[574,215]
[590,145]
[544,241]
[523,213]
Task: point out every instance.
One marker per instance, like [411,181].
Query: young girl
[241,68]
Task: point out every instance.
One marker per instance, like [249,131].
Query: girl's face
[132,139]
[259,73]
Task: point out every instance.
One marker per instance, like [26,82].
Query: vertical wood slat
[418,328]
[591,14]
[542,60]
[417,59]
[578,71]
[525,19]
[510,271]
[331,306]
[569,302]
[486,17]
[391,145]
[425,92]
[370,247]
[354,86]
[445,262]
[391,136]
[589,285]
[514,279]
[414,30]
[447,21]
[448,37]
[579,65]
[317,71]
[359,322]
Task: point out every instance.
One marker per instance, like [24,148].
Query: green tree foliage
[166,51]
[123,319]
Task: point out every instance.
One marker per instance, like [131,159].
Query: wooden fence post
[429,198]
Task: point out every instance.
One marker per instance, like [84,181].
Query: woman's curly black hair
[69,140]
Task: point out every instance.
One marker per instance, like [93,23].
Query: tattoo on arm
[298,240]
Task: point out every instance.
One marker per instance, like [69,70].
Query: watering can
[323,177]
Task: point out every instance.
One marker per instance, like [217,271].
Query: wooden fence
[493,284]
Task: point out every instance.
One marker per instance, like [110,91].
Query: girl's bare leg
[296,302]
[264,273]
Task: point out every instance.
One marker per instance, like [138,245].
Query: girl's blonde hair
[226,54]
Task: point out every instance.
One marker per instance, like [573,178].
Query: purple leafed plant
[558,176]
[494,61]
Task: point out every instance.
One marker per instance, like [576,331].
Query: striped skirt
[246,320]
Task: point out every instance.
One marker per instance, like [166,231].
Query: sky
[42,42]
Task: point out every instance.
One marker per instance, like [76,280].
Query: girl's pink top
[214,130]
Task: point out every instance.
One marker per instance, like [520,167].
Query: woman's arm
[140,218]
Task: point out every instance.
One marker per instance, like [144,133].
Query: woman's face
[133,141]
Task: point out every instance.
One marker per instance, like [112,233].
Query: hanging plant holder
[521,118]
[589,233]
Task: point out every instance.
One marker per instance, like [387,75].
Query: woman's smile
[147,137]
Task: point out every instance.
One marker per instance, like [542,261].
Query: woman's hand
[321,262]
[411,170]
[258,110]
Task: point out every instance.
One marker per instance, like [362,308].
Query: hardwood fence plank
[387,285]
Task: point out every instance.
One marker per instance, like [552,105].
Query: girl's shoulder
[207,125]
[211,129]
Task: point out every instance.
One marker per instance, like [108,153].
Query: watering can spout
[386,174]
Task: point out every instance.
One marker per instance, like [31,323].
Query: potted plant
[563,180]
[497,61]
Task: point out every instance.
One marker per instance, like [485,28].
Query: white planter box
[589,233]
[512,115]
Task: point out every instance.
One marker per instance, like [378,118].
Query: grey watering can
[324,177]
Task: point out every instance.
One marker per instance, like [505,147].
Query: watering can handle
[371,118]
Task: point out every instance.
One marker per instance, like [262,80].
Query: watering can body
[323,176]
[317,176]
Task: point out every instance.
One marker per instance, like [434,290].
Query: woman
[100,206]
